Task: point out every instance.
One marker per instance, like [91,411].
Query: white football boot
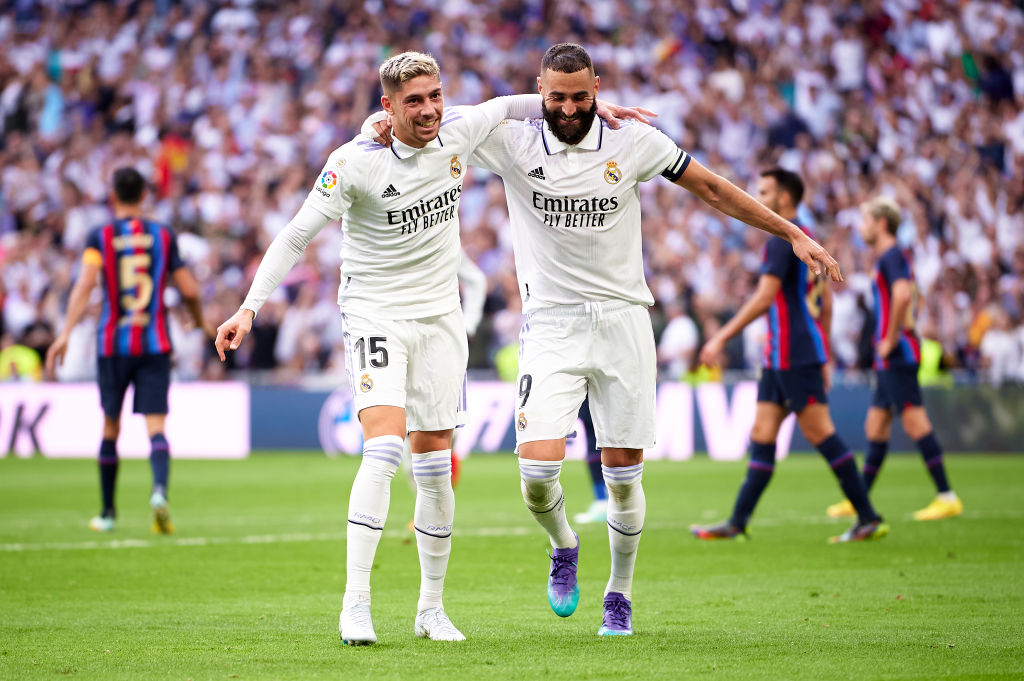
[355,624]
[433,623]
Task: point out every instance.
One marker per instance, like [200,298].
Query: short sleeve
[778,257]
[93,252]
[92,241]
[332,191]
[174,261]
[657,154]
[894,266]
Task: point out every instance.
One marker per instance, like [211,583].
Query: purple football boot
[618,616]
[563,591]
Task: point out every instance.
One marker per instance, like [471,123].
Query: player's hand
[711,353]
[55,355]
[612,114]
[383,130]
[827,370]
[816,258]
[885,348]
[231,332]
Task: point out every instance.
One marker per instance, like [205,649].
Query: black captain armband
[677,167]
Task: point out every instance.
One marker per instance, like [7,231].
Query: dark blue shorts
[897,387]
[794,388]
[150,374]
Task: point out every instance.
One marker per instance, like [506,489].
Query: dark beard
[570,136]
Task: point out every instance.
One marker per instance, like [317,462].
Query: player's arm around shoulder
[720,193]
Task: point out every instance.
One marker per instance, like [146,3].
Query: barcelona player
[795,377]
[135,259]
[897,359]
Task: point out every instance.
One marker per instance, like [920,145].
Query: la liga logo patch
[329,179]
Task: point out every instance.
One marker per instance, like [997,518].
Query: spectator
[225,106]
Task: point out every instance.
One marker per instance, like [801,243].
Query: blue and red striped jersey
[890,268]
[135,257]
[795,336]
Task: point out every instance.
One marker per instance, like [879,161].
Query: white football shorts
[605,349]
[416,364]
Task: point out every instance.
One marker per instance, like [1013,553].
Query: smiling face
[416,108]
[570,102]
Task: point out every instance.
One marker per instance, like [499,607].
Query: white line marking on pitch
[116,544]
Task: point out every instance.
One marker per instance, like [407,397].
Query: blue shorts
[794,388]
[150,374]
[897,387]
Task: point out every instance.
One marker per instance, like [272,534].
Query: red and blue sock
[160,462]
[932,453]
[844,466]
[873,461]
[108,475]
[759,474]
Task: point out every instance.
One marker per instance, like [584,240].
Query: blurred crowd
[231,108]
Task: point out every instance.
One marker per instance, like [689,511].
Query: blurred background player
[133,258]
[572,189]
[795,377]
[897,360]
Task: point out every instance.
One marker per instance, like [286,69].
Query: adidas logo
[537,172]
[390,192]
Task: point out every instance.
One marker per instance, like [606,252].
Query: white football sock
[368,511]
[543,495]
[435,508]
[626,509]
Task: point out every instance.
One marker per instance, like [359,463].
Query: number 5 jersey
[135,256]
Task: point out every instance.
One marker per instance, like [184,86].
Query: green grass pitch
[250,586]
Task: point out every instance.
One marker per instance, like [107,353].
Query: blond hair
[884,207]
[404,67]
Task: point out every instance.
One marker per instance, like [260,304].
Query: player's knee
[111,428]
[540,495]
[618,458]
[915,422]
[816,425]
[764,432]
[876,426]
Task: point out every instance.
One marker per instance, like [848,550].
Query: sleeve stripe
[92,256]
[676,169]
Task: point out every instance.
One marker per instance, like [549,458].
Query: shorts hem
[627,445]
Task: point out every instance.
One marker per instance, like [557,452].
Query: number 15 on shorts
[371,348]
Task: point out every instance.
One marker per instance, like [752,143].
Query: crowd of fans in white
[231,108]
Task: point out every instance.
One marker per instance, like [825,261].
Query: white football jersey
[399,208]
[575,210]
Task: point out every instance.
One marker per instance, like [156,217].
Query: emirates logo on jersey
[612,174]
[455,168]
[366,383]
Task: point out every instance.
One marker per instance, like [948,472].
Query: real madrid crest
[521,421]
[366,383]
[455,168]
[612,174]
